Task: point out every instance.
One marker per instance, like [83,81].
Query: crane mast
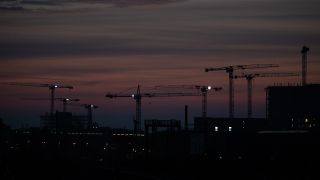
[304,52]
[249,95]
[250,77]
[203,91]
[51,87]
[231,92]
[65,101]
[138,97]
[90,108]
[230,70]
[204,104]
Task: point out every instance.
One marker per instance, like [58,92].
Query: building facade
[293,107]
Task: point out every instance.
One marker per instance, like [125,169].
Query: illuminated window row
[216,128]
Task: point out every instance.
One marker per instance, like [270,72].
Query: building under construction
[293,107]
[64,121]
[224,125]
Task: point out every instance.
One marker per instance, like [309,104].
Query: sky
[109,46]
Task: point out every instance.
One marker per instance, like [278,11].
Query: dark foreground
[261,156]
[82,169]
[39,165]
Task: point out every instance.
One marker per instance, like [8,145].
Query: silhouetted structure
[52,88]
[250,77]
[224,125]
[155,124]
[186,115]
[90,108]
[139,95]
[64,121]
[304,52]
[293,107]
[65,101]
[230,70]
[202,90]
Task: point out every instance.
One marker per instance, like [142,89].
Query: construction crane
[65,101]
[138,96]
[250,77]
[230,70]
[51,87]
[90,108]
[203,91]
[304,52]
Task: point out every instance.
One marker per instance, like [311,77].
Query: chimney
[186,118]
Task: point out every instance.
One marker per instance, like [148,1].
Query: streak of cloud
[194,27]
[72,5]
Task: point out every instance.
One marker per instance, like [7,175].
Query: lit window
[216,128]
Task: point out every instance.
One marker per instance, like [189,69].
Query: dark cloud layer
[58,4]
[189,28]
[159,42]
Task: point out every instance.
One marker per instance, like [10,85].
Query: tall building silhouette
[293,107]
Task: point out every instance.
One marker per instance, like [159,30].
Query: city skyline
[104,47]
